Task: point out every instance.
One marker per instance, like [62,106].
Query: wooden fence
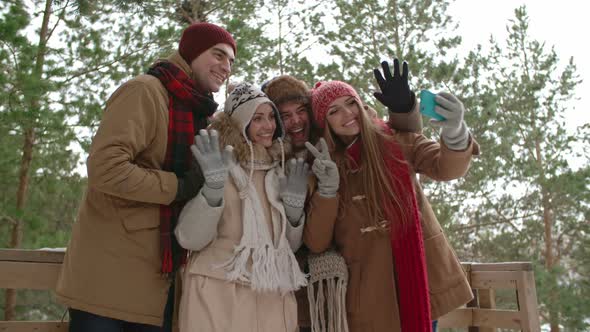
[482,315]
[38,269]
[30,269]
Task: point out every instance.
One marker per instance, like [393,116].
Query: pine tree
[58,65]
[292,38]
[524,199]
[370,31]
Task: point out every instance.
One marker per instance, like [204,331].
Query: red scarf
[407,243]
[188,111]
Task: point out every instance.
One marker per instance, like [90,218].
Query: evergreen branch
[310,8]
[185,15]
[374,37]
[543,315]
[395,13]
[11,98]
[8,162]
[59,18]
[63,7]
[307,47]
[465,227]
[568,248]
[502,216]
[81,126]
[107,64]
[522,133]
[13,52]
[10,220]
[555,156]
[448,87]
[316,4]
[222,6]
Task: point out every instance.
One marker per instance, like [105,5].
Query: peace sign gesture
[324,169]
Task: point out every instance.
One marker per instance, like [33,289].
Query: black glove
[395,91]
[190,184]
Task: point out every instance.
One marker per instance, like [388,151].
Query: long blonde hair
[377,180]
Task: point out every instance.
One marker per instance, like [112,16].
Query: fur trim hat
[286,88]
[241,104]
[324,93]
[201,36]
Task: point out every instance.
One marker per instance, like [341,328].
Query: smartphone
[427,103]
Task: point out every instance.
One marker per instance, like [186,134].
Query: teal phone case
[427,103]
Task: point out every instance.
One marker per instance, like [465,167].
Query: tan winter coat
[371,300]
[213,242]
[209,301]
[112,265]
[402,122]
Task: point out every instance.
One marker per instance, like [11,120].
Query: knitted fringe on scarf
[334,309]
[274,268]
[326,292]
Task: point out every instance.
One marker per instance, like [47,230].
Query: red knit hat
[324,93]
[199,37]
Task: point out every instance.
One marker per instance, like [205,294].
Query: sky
[563,24]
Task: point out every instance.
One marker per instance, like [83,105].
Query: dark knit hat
[199,37]
[324,93]
[286,88]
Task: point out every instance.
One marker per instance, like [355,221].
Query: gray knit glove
[214,163]
[454,131]
[293,188]
[324,169]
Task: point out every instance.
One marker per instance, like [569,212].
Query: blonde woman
[369,206]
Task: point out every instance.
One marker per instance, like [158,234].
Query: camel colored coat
[112,264]
[371,298]
[210,302]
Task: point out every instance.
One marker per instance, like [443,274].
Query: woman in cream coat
[244,225]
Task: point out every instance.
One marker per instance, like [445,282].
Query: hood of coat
[230,133]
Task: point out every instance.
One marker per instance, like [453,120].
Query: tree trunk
[548,237]
[550,261]
[280,47]
[198,11]
[27,157]
[398,46]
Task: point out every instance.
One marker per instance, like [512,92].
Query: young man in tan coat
[118,270]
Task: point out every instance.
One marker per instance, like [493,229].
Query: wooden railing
[481,314]
[30,269]
[38,269]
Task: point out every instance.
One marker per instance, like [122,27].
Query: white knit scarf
[274,267]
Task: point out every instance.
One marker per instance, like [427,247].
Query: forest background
[526,198]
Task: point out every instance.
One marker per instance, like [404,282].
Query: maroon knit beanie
[199,37]
[324,93]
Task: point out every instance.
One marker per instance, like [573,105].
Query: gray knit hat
[241,104]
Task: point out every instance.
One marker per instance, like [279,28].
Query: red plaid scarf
[188,111]
[407,243]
